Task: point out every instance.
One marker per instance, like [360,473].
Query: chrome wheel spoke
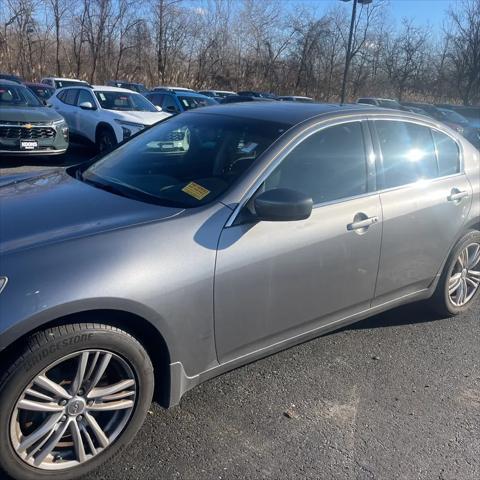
[39,406]
[454,283]
[91,446]
[51,443]
[41,396]
[97,430]
[47,384]
[463,284]
[110,406]
[473,282]
[77,441]
[98,371]
[80,375]
[474,258]
[43,431]
[111,389]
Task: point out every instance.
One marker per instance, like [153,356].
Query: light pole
[349,45]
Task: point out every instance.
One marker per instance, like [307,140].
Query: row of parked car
[106,115]
[464,120]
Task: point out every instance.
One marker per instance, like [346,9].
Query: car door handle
[360,224]
[456,195]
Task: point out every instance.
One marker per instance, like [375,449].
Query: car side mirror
[87,106]
[283,205]
[159,108]
[171,109]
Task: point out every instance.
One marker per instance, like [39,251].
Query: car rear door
[425,198]
[86,120]
[277,280]
[66,106]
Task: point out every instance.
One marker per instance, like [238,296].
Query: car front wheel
[73,397]
[106,140]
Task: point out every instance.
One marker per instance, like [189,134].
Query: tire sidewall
[40,358]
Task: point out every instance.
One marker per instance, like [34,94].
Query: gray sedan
[212,239]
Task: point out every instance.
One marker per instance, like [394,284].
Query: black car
[244,98]
[251,93]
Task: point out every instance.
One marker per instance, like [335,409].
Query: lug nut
[62,403]
[90,403]
[81,392]
[79,418]
[64,418]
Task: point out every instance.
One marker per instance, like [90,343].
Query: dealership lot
[395,396]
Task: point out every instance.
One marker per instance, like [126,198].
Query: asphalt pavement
[393,397]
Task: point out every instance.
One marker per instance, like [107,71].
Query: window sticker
[102,96]
[195,190]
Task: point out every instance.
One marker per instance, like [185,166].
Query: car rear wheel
[73,398]
[460,281]
[106,140]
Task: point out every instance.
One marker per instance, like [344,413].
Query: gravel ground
[393,397]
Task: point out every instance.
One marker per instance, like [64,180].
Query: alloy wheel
[73,410]
[465,277]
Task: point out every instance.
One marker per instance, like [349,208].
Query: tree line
[268,45]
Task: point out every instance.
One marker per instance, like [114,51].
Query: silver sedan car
[207,241]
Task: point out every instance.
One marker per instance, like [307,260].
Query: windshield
[190,101]
[187,160]
[124,101]
[69,83]
[12,96]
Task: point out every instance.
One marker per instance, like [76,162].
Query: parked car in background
[295,98]
[136,87]
[472,114]
[27,126]
[244,98]
[251,93]
[209,241]
[57,82]
[178,101]
[429,109]
[41,90]
[216,94]
[12,78]
[172,89]
[381,102]
[104,115]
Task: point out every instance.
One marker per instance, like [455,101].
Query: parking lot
[393,397]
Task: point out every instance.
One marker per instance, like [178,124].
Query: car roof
[38,84]
[4,81]
[378,98]
[286,112]
[108,88]
[62,79]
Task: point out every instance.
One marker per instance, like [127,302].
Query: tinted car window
[169,101]
[408,153]
[155,98]
[448,154]
[70,96]
[328,165]
[85,96]
[17,96]
[190,102]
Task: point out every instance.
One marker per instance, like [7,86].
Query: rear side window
[447,153]
[408,153]
[328,165]
[69,96]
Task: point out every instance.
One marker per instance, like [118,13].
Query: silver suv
[214,238]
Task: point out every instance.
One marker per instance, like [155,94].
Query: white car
[58,82]
[105,115]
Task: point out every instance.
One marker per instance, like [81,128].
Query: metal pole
[349,50]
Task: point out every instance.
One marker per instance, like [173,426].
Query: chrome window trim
[293,143]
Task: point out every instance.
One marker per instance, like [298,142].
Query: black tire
[43,349]
[440,302]
[106,140]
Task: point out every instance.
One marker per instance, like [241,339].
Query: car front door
[425,199]
[85,119]
[277,280]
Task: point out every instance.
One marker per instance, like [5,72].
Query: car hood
[145,118]
[29,114]
[53,206]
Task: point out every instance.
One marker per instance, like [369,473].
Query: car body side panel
[162,270]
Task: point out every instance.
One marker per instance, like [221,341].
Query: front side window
[70,96]
[329,165]
[124,101]
[186,160]
[408,153]
[85,96]
[448,154]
